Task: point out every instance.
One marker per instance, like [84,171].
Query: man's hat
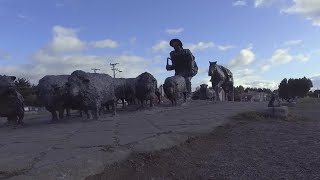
[176,40]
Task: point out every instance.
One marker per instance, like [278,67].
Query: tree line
[27,90]
[292,88]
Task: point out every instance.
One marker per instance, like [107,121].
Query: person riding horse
[183,62]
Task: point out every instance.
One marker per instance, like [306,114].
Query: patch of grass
[249,115]
[255,116]
[308,103]
[295,118]
[308,100]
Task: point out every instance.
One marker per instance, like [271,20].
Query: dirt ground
[250,147]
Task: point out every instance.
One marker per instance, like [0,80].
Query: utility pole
[95,70]
[114,69]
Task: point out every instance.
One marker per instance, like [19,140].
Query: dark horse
[221,77]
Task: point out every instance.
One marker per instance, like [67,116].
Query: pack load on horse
[183,62]
[221,77]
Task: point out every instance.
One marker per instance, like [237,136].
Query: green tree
[237,92]
[27,90]
[266,90]
[283,89]
[240,89]
[294,88]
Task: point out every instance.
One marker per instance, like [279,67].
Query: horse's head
[212,67]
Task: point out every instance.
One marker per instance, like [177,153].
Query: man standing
[183,62]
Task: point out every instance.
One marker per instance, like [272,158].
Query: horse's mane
[226,71]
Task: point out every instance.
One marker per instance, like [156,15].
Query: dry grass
[249,116]
[306,103]
[308,100]
[253,116]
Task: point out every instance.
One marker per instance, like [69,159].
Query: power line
[95,70]
[114,69]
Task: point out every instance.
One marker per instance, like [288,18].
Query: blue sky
[261,41]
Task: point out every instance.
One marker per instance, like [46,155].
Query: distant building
[33,109]
[254,96]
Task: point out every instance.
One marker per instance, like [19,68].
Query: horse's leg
[232,93]
[226,94]
[216,89]
[218,86]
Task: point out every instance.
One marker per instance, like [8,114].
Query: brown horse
[221,77]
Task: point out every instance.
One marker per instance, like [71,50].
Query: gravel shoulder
[249,147]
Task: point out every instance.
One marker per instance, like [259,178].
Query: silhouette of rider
[183,62]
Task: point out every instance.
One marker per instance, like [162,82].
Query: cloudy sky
[261,41]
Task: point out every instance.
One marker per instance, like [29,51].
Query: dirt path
[244,149]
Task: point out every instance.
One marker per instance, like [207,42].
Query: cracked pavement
[76,148]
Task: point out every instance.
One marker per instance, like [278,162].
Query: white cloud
[4,55]
[270,84]
[174,31]
[302,57]
[133,40]
[58,58]
[250,78]
[244,58]
[107,43]
[309,9]
[200,46]
[281,56]
[21,16]
[161,46]
[65,40]
[44,64]
[239,3]
[293,43]
[247,72]
[224,48]
[262,3]
[315,81]
[243,73]
[265,67]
